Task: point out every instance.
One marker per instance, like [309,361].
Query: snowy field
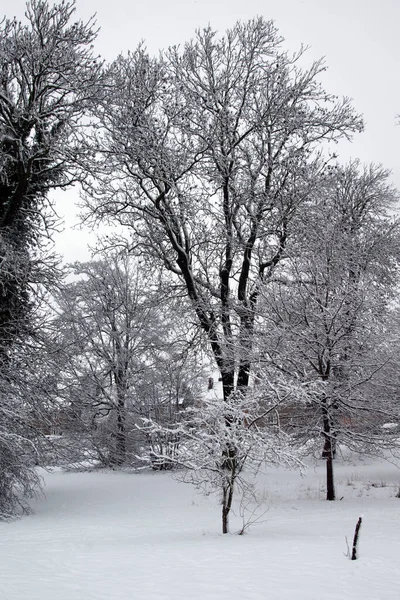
[119,536]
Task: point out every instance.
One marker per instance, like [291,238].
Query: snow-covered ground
[119,536]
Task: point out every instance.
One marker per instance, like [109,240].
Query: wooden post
[355,539]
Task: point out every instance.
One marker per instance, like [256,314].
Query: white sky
[359,39]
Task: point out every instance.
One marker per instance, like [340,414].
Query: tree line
[242,246]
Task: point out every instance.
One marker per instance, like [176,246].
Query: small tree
[220,446]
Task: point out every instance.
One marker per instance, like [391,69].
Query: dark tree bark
[227,498]
[328,451]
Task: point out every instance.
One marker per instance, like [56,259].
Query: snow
[118,536]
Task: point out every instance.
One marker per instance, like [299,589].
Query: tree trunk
[225,518]
[329,446]
[120,384]
[227,497]
[120,446]
[330,484]
[229,463]
[328,453]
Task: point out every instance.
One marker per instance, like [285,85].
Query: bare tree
[204,437]
[328,313]
[104,331]
[120,355]
[206,155]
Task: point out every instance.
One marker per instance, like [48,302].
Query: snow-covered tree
[48,79]
[221,459]
[121,354]
[205,155]
[327,316]
[18,453]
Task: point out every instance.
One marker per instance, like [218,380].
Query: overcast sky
[359,39]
